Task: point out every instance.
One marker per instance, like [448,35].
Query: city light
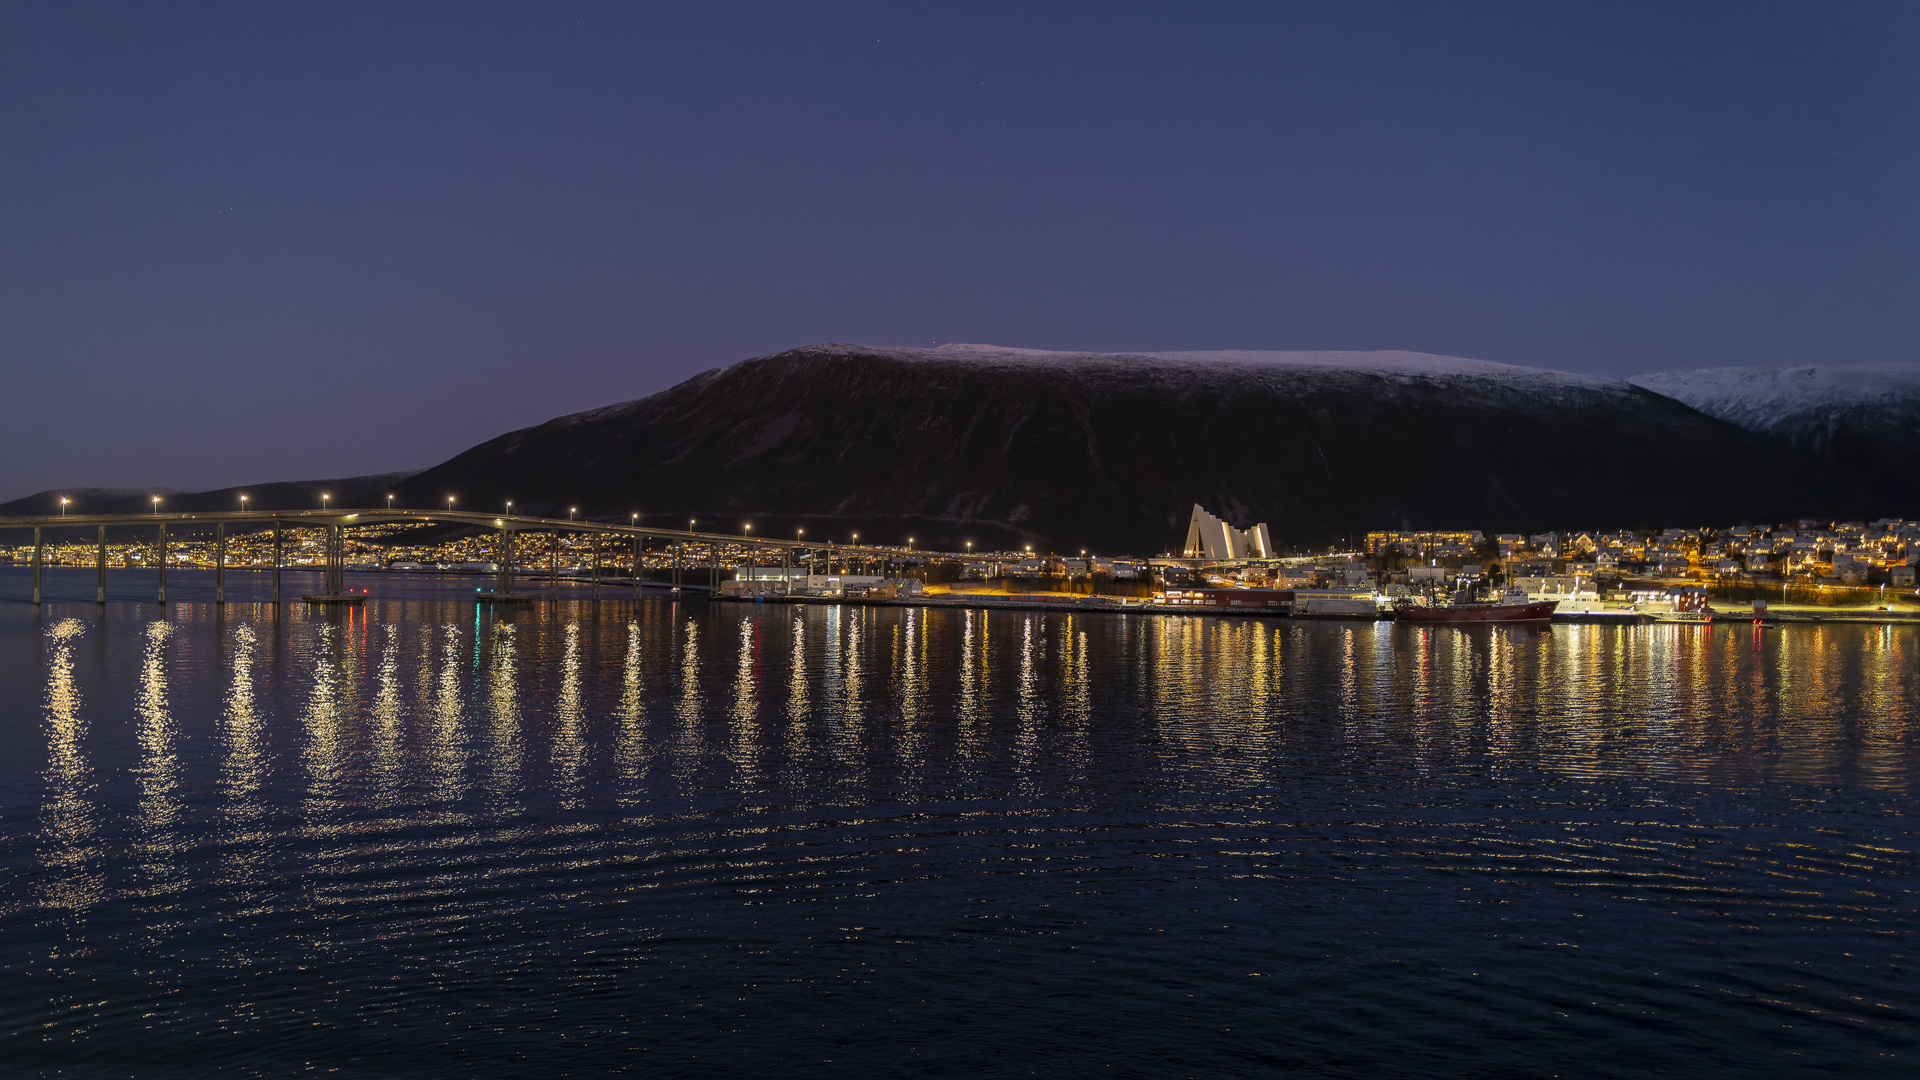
[156,505]
[243,504]
[389,502]
[570,511]
[449,504]
[323,500]
[63,506]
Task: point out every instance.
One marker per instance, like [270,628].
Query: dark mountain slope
[1110,451]
[1862,420]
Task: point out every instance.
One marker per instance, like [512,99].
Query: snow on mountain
[1388,362]
[1787,399]
[1856,420]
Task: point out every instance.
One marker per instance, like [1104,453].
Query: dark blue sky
[252,242]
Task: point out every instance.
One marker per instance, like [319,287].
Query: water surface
[580,838]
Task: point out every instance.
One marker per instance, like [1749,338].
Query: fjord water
[689,839]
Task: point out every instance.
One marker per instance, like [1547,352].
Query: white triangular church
[1210,538]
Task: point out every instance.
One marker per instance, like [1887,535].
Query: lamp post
[389,501]
[156,506]
[63,505]
[570,511]
[323,500]
[243,504]
[449,504]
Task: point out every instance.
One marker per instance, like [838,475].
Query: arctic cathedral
[1210,538]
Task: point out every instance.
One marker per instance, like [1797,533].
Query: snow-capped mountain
[1784,399]
[1111,450]
[1863,420]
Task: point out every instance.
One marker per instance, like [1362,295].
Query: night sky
[257,242]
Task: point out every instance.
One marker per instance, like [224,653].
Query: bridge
[337,521]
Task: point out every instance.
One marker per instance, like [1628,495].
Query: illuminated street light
[63,505]
[156,505]
[570,511]
[323,500]
[449,504]
[389,502]
[636,520]
[243,504]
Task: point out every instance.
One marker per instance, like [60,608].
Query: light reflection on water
[1479,852]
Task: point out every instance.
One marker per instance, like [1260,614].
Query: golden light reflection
[506,754]
[692,702]
[852,699]
[797,679]
[569,729]
[243,764]
[632,713]
[446,736]
[388,718]
[160,807]
[69,877]
[746,703]
[969,675]
[322,724]
[1027,700]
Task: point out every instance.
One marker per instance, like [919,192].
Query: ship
[1512,607]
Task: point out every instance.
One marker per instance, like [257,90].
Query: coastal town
[1804,567]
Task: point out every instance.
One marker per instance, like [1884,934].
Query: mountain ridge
[1006,446]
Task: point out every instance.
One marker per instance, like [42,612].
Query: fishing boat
[1512,607]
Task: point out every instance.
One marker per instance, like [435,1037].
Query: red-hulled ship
[1514,607]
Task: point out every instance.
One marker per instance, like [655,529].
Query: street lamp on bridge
[323,500]
[63,505]
[156,506]
[243,504]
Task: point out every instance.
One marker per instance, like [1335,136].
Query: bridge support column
[38,558]
[276,562]
[220,563]
[100,569]
[160,553]
[336,561]
[503,557]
